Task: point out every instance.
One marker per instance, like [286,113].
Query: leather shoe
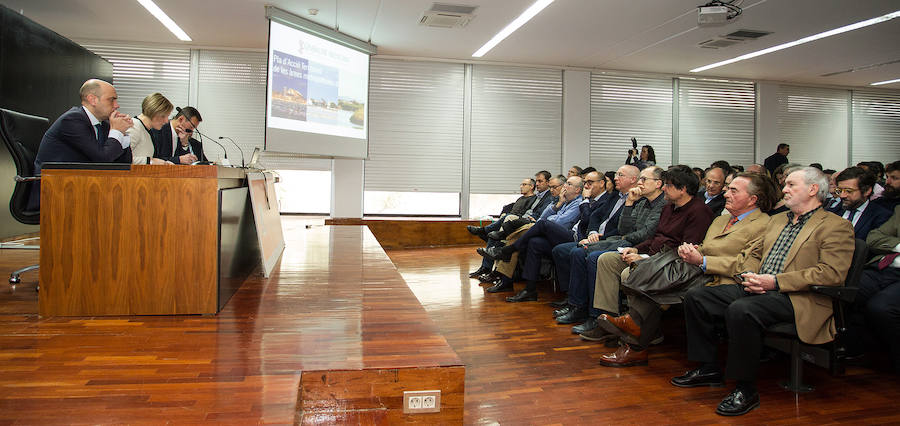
[589,324]
[479,271]
[494,253]
[622,325]
[624,357]
[597,334]
[738,403]
[561,303]
[523,296]
[696,378]
[496,235]
[477,231]
[575,315]
[562,311]
[489,277]
[500,287]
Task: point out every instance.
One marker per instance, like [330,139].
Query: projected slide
[315,85]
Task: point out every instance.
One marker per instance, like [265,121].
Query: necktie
[886,261]
[852,213]
[98,126]
[731,222]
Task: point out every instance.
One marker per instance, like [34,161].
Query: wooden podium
[152,240]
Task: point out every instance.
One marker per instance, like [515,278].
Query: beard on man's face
[890,192]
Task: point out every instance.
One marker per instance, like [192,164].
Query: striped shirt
[774,261]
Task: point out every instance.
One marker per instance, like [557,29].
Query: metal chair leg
[14,277]
[796,384]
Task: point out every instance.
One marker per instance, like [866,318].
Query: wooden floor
[243,366]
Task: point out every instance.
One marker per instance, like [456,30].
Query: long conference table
[150,240]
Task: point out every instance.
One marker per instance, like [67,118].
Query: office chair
[22,133]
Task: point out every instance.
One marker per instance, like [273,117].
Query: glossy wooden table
[153,240]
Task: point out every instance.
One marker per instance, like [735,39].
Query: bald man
[91,133]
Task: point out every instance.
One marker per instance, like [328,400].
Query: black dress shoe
[481,270]
[738,403]
[496,235]
[523,296]
[589,324]
[500,286]
[475,230]
[561,303]
[695,378]
[489,277]
[574,316]
[562,311]
[494,253]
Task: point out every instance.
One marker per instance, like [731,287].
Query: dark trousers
[879,301]
[488,263]
[746,317]
[562,259]
[538,242]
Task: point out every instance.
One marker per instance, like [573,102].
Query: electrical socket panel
[428,401]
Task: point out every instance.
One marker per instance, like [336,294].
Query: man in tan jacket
[801,247]
[747,198]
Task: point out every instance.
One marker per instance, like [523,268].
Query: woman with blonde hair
[155,110]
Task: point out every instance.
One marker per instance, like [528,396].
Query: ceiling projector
[712,15]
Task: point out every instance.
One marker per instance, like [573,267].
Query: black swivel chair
[832,355]
[21,134]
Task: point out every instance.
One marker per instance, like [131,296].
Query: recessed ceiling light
[885,82]
[526,16]
[165,19]
[803,40]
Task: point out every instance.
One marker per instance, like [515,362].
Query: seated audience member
[817,166]
[890,198]
[501,277]
[737,168]
[540,202]
[802,247]
[831,201]
[586,170]
[748,197]
[777,159]
[779,174]
[91,133]
[155,110]
[541,237]
[685,218]
[758,168]
[854,187]
[876,169]
[174,142]
[778,181]
[573,171]
[701,175]
[647,157]
[522,204]
[636,221]
[722,164]
[713,196]
[879,287]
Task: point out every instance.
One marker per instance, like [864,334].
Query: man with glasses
[713,195]
[542,199]
[854,187]
[526,188]
[173,142]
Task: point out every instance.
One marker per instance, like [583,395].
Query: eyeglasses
[588,181]
[643,179]
[848,191]
[555,186]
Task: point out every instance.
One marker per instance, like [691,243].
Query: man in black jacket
[173,142]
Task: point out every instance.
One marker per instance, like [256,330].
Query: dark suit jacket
[773,161]
[600,214]
[162,145]
[872,217]
[543,203]
[71,138]
[717,204]
[587,210]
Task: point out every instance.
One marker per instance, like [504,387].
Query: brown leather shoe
[624,357]
[622,325]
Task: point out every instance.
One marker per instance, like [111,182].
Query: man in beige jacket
[801,247]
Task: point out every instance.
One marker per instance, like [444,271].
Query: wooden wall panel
[413,233]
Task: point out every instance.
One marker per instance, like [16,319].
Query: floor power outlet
[428,401]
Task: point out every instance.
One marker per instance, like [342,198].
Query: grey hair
[579,183]
[813,176]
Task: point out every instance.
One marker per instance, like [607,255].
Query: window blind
[876,126]
[141,70]
[623,107]
[415,126]
[813,121]
[516,126]
[716,121]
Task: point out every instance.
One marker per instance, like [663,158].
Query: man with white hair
[804,246]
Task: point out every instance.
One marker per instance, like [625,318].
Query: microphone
[225,162]
[236,146]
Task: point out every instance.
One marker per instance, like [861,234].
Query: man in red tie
[879,287]
[747,198]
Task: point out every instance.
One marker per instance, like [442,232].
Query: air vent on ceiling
[748,34]
[718,43]
[444,15]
